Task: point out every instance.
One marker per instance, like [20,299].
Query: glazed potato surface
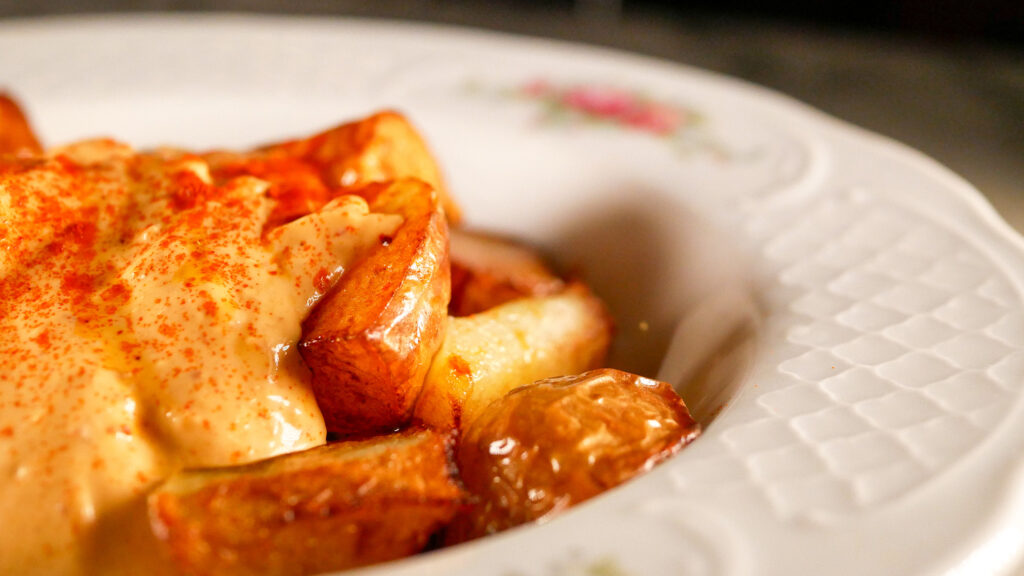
[545,447]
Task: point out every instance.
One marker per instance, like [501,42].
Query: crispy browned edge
[369,343]
[334,507]
[489,270]
[16,134]
[380,147]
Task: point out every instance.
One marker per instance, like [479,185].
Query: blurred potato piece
[552,444]
[487,354]
[328,508]
[384,146]
[16,135]
[488,270]
[369,342]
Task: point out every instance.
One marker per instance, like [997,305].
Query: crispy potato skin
[329,508]
[552,444]
[488,270]
[381,147]
[16,135]
[307,173]
[369,342]
[488,354]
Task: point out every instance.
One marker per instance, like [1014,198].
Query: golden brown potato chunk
[487,354]
[488,270]
[547,446]
[381,147]
[329,508]
[16,135]
[369,342]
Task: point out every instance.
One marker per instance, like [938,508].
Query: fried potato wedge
[488,354]
[564,440]
[488,270]
[369,342]
[381,147]
[16,135]
[329,508]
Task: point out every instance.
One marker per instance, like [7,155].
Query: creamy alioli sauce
[149,322]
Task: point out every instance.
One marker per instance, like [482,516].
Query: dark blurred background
[945,76]
[997,21]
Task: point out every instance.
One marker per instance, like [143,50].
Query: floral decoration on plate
[620,108]
[612,106]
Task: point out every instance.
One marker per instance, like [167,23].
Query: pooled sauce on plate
[149,322]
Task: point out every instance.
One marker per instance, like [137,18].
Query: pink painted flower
[655,118]
[601,102]
[617,106]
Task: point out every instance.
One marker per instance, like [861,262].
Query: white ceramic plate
[845,315]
